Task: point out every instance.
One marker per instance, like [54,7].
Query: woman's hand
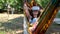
[33,26]
[25,7]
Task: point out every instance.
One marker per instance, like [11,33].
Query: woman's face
[35,12]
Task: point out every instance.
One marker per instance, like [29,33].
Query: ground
[53,29]
[13,24]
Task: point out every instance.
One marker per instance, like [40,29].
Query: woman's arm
[26,11]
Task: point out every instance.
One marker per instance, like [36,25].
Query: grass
[14,23]
[2,32]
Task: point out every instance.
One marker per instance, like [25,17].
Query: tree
[42,3]
[18,4]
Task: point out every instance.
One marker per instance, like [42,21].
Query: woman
[33,17]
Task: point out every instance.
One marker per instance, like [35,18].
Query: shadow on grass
[13,24]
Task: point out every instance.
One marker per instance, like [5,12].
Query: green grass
[2,32]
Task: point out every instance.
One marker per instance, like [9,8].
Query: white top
[32,21]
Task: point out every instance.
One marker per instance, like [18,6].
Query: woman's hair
[31,13]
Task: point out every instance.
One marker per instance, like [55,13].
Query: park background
[11,16]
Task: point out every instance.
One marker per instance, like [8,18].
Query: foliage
[42,3]
[18,4]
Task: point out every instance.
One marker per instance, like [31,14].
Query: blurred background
[11,17]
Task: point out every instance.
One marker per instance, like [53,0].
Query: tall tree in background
[18,4]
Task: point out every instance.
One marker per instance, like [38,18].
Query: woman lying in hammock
[33,15]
